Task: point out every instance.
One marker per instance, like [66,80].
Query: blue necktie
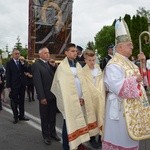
[17,63]
[46,63]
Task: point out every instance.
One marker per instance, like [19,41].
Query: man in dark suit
[15,82]
[43,77]
[108,56]
[80,57]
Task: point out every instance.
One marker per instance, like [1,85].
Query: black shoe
[99,140]
[55,137]
[23,119]
[94,144]
[15,121]
[47,141]
[83,147]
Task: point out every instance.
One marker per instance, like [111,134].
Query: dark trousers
[65,137]
[0,104]
[48,118]
[30,91]
[17,100]
[1,90]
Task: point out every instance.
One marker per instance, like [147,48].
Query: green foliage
[104,38]
[4,61]
[146,50]
[136,25]
[90,45]
[1,51]
[143,13]
[18,45]
[24,52]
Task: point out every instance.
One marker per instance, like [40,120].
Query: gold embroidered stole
[79,126]
[97,94]
[136,111]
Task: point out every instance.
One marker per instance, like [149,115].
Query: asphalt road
[27,135]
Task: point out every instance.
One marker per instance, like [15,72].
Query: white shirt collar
[15,60]
[43,60]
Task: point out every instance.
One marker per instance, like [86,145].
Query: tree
[136,25]
[1,51]
[24,52]
[142,12]
[139,24]
[18,45]
[145,18]
[7,48]
[104,38]
[90,45]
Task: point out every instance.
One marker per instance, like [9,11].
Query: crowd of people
[100,104]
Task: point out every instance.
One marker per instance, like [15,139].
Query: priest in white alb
[127,116]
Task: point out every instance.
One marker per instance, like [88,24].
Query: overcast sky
[89,16]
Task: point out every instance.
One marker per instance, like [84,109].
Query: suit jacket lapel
[14,63]
[47,67]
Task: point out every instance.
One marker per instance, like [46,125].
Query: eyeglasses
[16,53]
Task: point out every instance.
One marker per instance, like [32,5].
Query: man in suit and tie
[43,77]
[15,82]
[108,56]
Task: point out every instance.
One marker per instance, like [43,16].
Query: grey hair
[41,49]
